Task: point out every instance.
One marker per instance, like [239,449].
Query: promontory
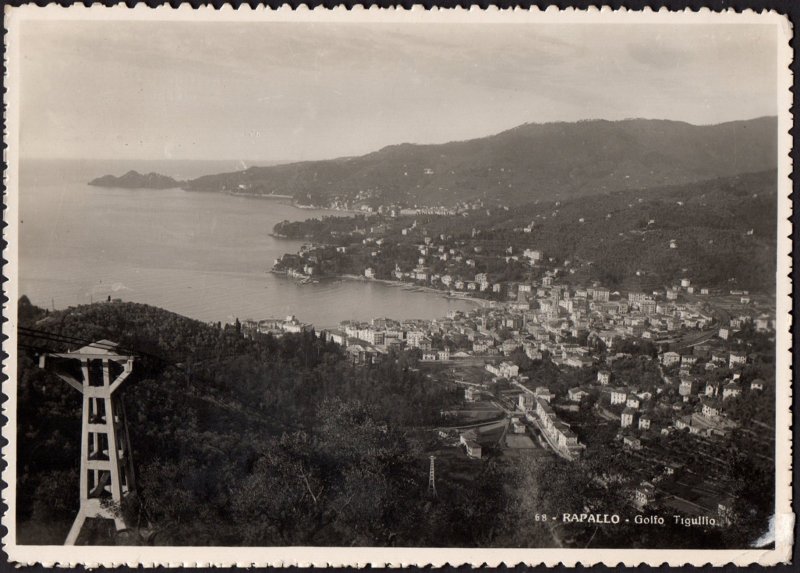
[136,180]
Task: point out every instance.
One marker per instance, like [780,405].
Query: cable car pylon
[432,478]
[106,464]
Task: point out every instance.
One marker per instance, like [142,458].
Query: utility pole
[432,478]
[106,464]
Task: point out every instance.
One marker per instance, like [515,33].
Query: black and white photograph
[509,286]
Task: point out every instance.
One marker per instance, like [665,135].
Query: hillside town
[673,378]
[625,241]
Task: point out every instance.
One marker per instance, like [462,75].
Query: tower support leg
[75,530]
[119,523]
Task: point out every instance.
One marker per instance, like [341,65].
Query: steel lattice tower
[106,466]
[432,478]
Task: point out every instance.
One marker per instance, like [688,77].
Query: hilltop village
[677,380]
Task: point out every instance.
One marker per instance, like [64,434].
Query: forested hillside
[532,161]
[237,441]
[723,232]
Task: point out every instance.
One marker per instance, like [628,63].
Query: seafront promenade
[419,288]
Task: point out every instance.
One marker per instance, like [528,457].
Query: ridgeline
[530,162]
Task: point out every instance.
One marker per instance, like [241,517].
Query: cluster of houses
[699,407]
[535,405]
[546,318]
[540,313]
[275,326]
[647,315]
[707,415]
[370,201]
[543,318]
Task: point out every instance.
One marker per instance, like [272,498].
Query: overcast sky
[279,91]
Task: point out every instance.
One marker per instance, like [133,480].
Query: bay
[203,255]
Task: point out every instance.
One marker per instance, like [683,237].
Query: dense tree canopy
[236,440]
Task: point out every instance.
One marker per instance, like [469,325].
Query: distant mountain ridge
[526,163]
[135,180]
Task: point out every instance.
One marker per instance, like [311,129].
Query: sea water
[203,255]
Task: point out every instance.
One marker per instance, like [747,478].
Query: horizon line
[286,161]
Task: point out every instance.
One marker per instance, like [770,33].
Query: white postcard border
[340,556]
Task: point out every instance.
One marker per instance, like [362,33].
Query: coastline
[318,208]
[393,283]
[411,287]
[283,199]
[260,196]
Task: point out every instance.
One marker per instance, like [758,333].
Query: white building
[504,369]
[618,396]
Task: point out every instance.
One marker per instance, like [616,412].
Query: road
[495,422]
[500,405]
[523,388]
[465,383]
[696,338]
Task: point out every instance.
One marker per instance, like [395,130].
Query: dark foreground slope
[236,441]
[532,161]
